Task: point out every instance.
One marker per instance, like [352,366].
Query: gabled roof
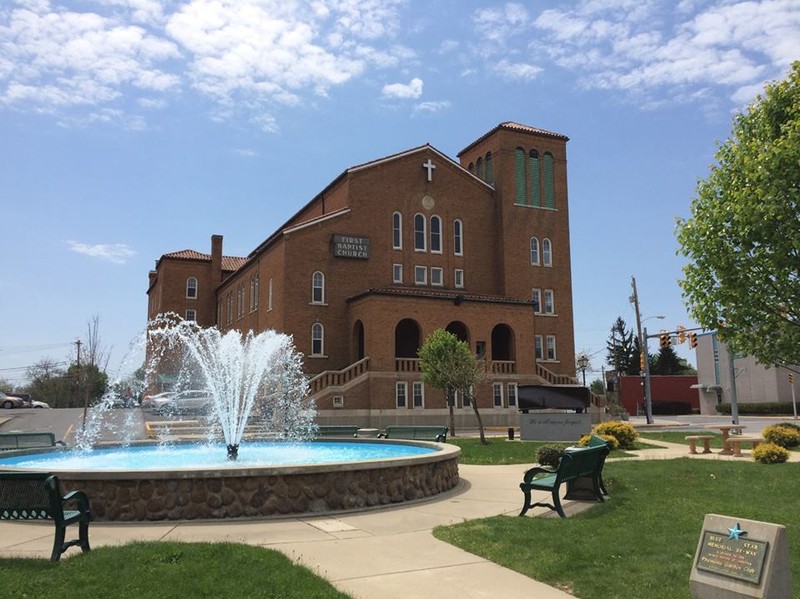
[229,263]
[512,126]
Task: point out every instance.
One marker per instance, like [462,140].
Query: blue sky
[133,128]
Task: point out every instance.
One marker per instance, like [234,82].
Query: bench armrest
[531,474]
[79,498]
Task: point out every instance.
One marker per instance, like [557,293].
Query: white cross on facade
[430,166]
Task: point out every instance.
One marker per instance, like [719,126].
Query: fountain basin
[242,490]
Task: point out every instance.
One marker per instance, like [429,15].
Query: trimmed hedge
[766,407]
[671,408]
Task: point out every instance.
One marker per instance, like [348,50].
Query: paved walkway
[387,553]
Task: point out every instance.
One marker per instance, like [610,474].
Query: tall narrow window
[548,302]
[269,295]
[537,347]
[458,241]
[401,394]
[497,394]
[318,288]
[397,273]
[252,293]
[489,169]
[191,288]
[547,252]
[536,299]
[512,395]
[551,347]
[317,339]
[479,168]
[534,251]
[534,195]
[458,278]
[397,231]
[419,233]
[419,395]
[436,235]
[519,176]
[549,185]
[257,291]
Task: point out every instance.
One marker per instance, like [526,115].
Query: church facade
[392,250]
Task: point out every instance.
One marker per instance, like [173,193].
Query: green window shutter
[549,190]
[489,169]
[533,174]
[519,175]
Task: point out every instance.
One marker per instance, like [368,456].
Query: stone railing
[337,378]
[406,364]
[504,366]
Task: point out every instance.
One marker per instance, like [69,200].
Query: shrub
[769,453]
[623,432]
[584,441]
[784,436]
[549,455]
[790,425]
[766,407]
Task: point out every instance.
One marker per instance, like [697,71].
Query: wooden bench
[11,441]
[733,444]
[704,439]
[574,464]
[418,433]
[337,430]
[37,496]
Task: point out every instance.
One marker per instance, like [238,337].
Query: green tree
[620,347]
[667,362]
[448,364]
[742,239]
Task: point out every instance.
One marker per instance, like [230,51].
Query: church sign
[348,246]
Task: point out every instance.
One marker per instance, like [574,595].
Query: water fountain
[255,381]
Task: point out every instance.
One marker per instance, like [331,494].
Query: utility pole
[648,406]
[80,383]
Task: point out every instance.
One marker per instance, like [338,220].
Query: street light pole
[583,364]
[648,406]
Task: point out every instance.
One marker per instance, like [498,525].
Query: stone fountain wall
[261,492]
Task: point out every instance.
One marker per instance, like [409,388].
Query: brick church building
[390,251]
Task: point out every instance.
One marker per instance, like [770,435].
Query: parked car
[193,400]
[11,401]
[147,400]
[35,403]
[112,400]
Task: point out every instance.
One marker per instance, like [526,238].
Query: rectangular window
[269,296]
[191,315]
[420,275]
[437,276]
[467,402]
[419,395]
[512,395]
[497,394]
[400,394]
[458,244]
[551,347]
[538,348]
[397,273]
[458,278]
[548,301]
[536,298]
[397,231]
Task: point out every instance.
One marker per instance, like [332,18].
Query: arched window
[317,339]
[479,168]
[191,288]
[397,231]
[534,194]
[489,169]
[458,241]
[471,168]
[318,288]
[436,235]
[534,251]
[547,252]
[549,189]
[419,233]
[519,175]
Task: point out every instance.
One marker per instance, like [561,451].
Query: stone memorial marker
[741,559]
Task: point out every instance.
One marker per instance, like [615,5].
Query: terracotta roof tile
[512,126]
[229,263]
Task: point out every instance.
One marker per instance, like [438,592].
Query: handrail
[553,378]
[338,377]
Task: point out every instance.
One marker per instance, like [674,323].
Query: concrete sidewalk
[386,552]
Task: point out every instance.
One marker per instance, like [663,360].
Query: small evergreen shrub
[784,436]
[549,456]
[769,453]
[584,440]
[623,432]
[790,425]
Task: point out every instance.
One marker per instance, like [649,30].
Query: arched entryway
[406,339]
[459,329]
[502,343]
[358,340]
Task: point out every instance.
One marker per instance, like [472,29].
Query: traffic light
[692,340]
[681,334]
[641,361]
[663,340]
[791,378]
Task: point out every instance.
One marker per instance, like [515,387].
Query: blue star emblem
[735,532]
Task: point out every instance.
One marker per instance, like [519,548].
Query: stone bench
[704,439]
[733,444]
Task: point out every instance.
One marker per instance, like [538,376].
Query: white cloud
[519,71]
[411,90]
[431,107]
[117,253]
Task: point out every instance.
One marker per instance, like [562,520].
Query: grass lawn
[499,450]
[641,543]
[168,570]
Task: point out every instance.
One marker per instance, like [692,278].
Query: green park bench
[584,463]
[417,433]
[11,441]
[337,430]
[37,496]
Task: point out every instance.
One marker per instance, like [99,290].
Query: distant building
[754,382]
[390,251]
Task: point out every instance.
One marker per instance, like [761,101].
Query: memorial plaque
[738,557]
